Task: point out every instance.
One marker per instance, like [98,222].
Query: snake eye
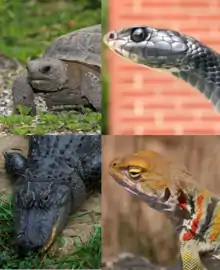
[138,34]
[134,172]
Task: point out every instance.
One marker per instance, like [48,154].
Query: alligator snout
[24,245]
[31,237]
[36,230]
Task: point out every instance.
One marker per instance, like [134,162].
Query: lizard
[171,189]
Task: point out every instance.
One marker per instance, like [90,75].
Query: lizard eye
[134,172]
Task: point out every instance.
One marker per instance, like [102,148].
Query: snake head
[154,47]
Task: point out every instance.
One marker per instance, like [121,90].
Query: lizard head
[145,174]
[145,171]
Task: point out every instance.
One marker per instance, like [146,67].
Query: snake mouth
[114,44]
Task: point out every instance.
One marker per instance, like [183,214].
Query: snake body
[183,56]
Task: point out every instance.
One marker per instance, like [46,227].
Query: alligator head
[41,210]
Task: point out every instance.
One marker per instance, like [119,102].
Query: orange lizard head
[144,172]
[157,181]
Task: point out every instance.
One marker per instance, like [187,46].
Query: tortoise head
[47,74]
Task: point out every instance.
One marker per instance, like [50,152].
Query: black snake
[183,56]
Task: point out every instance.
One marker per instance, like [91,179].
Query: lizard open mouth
[165,196]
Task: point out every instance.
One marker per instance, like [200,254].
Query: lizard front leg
[190,256]
[22,94]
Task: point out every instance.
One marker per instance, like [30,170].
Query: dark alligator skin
[53,182]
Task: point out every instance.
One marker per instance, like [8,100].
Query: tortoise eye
[134,172]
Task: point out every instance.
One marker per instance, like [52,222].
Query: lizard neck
[203,226]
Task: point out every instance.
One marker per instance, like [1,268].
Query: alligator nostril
[45,69]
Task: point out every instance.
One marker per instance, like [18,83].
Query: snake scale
[181,55]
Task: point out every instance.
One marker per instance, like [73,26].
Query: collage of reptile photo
[50,134]
[109,134]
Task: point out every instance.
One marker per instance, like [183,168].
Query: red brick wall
[143,101]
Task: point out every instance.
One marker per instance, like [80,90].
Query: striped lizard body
[170,189]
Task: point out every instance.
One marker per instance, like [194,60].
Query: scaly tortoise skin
[67,75]
[53,182]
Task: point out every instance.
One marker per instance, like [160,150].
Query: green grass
[24,124]
[87,256]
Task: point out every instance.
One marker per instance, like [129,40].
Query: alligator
[54,181]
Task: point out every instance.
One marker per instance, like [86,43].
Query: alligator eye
[45,197]
[134,172]
[138,34]
[44,200]
[45,69]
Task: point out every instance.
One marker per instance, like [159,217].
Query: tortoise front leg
[91,89]
[22,94]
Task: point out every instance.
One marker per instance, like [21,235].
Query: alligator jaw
[57,228]
[51,240]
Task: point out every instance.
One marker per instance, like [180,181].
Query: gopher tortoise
[67,75]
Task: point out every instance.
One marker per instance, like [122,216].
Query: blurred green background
[28,26]
[104,71]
